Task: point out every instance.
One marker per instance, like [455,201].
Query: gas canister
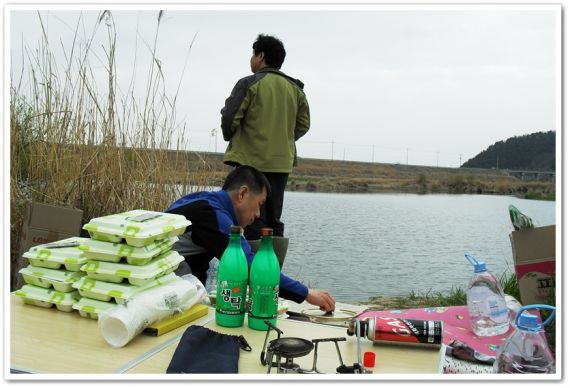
[399,331]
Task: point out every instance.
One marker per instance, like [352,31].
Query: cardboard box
[43,224]
[534,254]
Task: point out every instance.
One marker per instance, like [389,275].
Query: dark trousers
[271,209]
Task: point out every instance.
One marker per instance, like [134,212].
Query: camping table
[50,341]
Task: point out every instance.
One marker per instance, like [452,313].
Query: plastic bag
[120,324]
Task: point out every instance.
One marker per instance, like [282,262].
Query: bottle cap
[528,322]
[235,229]
[369,359]
[267,232]
[480,267]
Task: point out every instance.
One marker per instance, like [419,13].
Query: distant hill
[534,152]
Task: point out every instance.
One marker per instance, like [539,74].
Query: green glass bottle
[263,284]
[232,283]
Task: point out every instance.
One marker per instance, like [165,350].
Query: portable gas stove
[291,348]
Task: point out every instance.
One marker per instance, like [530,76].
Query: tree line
[533,152]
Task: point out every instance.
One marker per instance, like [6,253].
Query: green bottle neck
[266,243]
[235,239]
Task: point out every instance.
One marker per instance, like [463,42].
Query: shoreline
[333,176]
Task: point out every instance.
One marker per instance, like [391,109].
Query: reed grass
[75,143]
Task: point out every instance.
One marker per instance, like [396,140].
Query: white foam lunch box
[138,275]
[137,227]
[56,254]
[121,292]
[91,308]
[60,280]
[116,252]
[47,297]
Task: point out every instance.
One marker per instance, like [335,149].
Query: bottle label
[496,309]
[263,301]
[230,299]
[482,302]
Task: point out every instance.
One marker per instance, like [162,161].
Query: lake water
[361,245]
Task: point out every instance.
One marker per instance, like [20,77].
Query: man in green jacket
[263,117]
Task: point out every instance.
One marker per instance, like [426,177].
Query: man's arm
[303,120]
[234,108]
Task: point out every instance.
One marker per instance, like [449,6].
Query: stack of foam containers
[127,253]
[53,269]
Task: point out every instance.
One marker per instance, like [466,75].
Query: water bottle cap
[480,267]
[267,232]
[528,322]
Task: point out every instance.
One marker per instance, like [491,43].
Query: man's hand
[322,299]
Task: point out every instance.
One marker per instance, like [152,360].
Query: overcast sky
[425,85]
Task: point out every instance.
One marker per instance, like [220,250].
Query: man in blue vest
[212,213]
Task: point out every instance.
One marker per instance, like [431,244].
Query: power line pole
[214,134]
[460,160]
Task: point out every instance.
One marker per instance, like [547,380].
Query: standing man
[263,117]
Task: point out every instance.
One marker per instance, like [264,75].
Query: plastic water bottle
[526,349]
[486,301]
[212,279]
[232,283]
[263,284]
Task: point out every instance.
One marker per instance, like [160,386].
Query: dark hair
[272,48]
[248,176]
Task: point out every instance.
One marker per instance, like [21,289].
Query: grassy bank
[360,177]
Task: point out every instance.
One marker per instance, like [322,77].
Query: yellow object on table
[177,320]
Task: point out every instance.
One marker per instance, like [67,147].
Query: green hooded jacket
[263,117]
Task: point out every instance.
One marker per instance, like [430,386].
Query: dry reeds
[102,152]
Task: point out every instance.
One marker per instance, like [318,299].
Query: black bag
[202,350]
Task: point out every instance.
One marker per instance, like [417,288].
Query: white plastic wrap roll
[122,323]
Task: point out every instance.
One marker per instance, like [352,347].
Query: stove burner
[291,348]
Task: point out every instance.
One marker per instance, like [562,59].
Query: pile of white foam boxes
[127,253]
